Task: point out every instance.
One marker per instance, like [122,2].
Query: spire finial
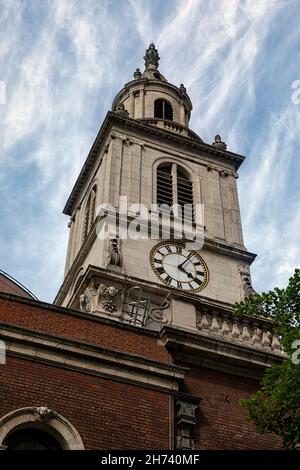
[151,56]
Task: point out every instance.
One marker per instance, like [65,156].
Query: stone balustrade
[248,332]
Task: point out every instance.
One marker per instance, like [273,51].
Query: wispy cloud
[63,61]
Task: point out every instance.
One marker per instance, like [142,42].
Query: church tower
[142,348]
[146,154]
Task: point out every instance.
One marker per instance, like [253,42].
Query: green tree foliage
[276,407]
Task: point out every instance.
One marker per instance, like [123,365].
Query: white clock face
[178,267]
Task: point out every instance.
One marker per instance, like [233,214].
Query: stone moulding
[214,351]
[90,359]
[45,419]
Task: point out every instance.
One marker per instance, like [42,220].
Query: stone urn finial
[218,143]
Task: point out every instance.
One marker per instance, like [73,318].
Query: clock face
[178,267]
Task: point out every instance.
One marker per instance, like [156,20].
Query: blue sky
[63,61]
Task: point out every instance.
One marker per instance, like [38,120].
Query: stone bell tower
[145,152]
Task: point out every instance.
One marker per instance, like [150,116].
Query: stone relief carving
[109,296]
[238,330]
[130,306]
[246,287]
[157,313]
[101,299]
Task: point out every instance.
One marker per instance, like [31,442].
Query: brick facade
[221,421]
[112,413]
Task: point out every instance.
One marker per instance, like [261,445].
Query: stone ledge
[217,354]
[89,359]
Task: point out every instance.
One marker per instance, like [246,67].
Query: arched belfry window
[89,213]
[163,109]
[174,186]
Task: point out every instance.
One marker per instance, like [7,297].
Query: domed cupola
[152,99]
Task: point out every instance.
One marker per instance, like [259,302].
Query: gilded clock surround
[187,285]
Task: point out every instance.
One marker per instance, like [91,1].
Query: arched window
[89,213]
[163,109]
[31,439]
[173,186]
[38,428]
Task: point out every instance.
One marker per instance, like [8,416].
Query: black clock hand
[180,266]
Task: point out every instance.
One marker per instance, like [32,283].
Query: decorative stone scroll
[247,332]
[157,313]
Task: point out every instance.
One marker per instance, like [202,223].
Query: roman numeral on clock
[200,273]
[197,281]
[160,270]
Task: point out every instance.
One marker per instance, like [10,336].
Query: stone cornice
[89,359]
[216,353]
[148,131]
[203,304]
[229,250]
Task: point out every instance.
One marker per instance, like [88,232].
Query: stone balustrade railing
[171,126]
[248,332]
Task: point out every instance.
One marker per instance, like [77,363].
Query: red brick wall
[222,422]
[107,414]
[39,318]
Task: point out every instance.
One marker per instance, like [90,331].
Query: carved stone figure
[97,299]
[151,56]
